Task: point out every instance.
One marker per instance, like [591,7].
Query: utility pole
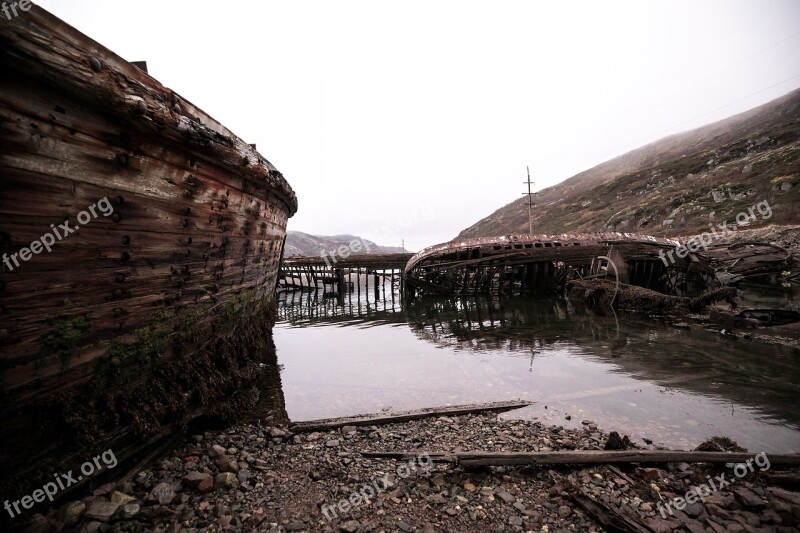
[530,201]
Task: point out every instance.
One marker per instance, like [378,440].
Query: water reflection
[676,386]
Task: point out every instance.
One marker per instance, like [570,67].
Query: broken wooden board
[735,262]
[610,518]
[584,457]
[384,418]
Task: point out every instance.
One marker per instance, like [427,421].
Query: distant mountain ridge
[299,244]
[677,185]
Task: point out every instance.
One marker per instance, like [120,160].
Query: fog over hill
[677,185]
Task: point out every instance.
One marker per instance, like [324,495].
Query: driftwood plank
[784,479]
[610,518]
[383,418]
[585,457]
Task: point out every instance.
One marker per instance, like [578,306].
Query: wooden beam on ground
[585,457]
[610,518]
[384,418]
[784,479]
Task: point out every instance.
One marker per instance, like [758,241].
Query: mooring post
[339,280]
[358,285]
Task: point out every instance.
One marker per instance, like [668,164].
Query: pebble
[162,493]
[351,526]
[72,512]
[101,510]
[225,481]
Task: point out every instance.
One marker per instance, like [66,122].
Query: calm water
[673,385]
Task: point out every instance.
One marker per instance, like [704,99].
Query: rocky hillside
[303,244]
[678,185]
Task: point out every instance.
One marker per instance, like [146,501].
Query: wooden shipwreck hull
[536,263]
[732,263]
[159,306]
[544,263]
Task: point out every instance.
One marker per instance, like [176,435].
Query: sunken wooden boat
[154,303]
[536,263]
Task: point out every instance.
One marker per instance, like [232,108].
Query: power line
[662,133]
[638,144]
[710,77]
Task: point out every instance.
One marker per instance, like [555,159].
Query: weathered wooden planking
[199,220]
[383,418]
[53,53]
[585,457]
[210,225]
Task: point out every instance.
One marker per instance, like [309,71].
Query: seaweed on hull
[216,363]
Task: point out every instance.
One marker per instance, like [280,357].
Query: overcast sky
[416,119]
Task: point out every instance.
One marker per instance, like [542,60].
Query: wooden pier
[342,275]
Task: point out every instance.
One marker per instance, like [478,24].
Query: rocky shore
[253,478]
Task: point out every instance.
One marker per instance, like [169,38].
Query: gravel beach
[254,478]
